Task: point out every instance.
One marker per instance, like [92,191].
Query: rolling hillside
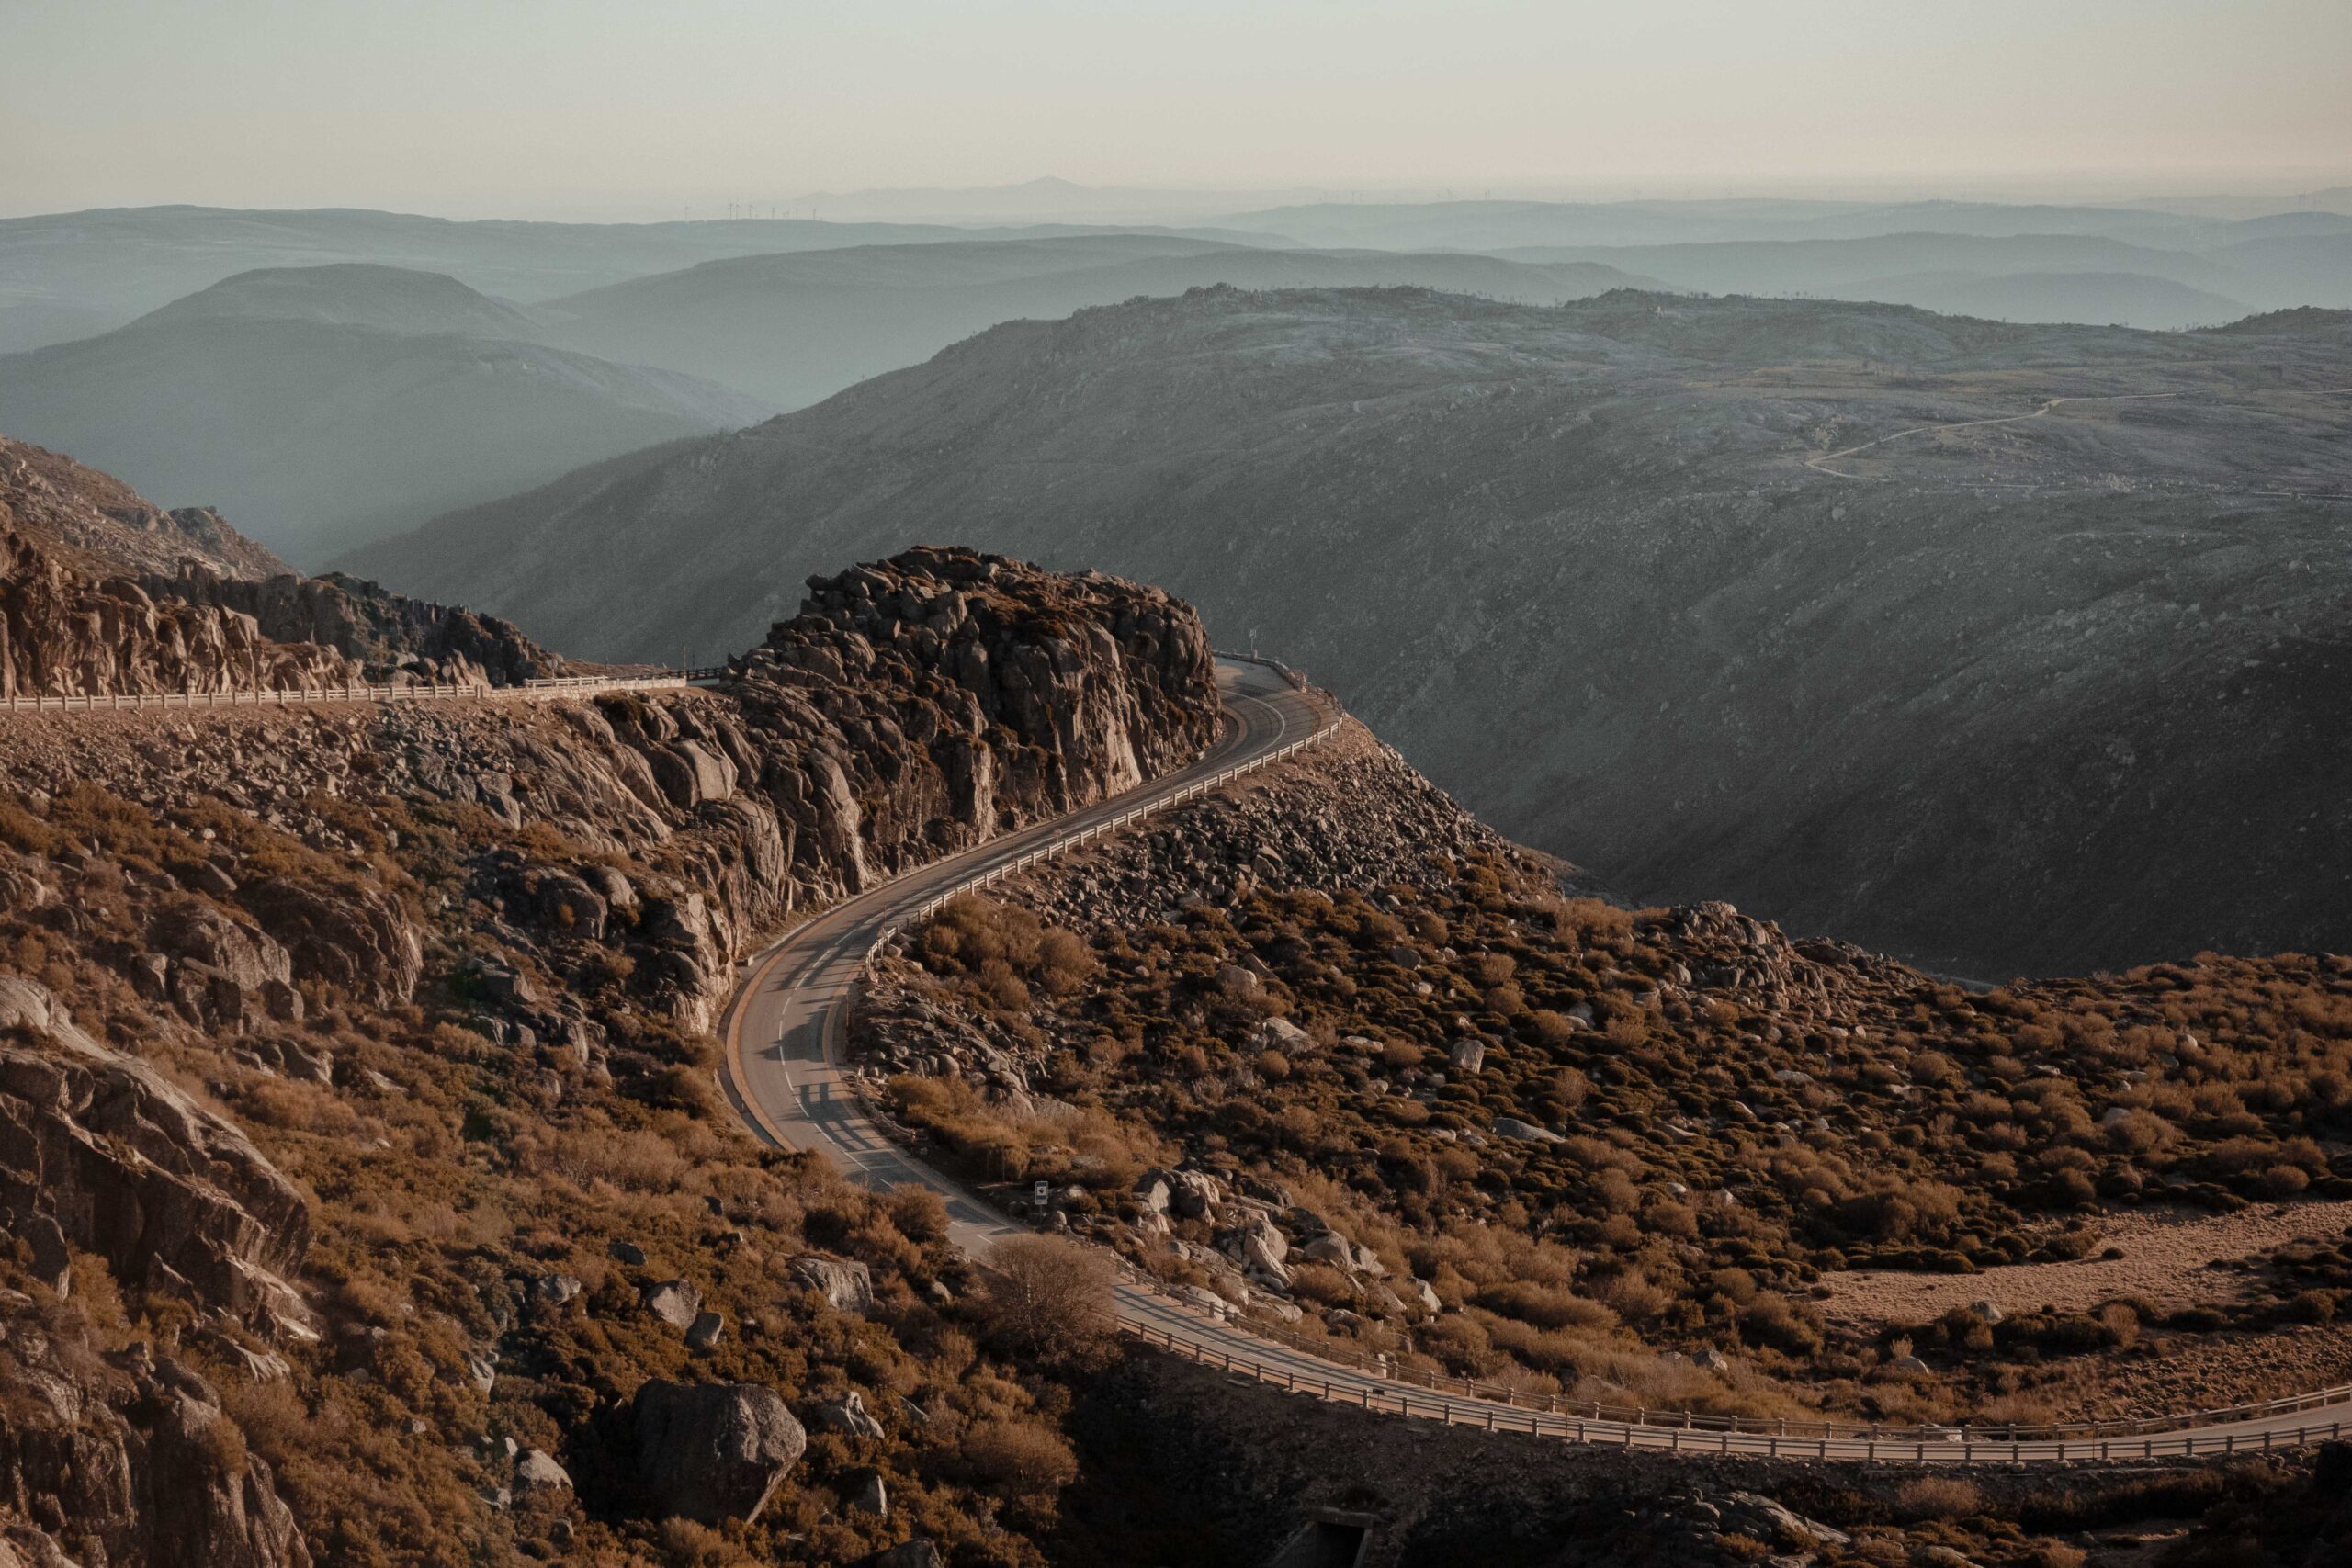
[1631,577]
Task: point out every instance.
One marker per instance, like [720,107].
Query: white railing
[1551,1413]
[291,696]
[1673,1432]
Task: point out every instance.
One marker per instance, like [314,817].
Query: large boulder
[690,773]
[713,1452]
[674,1301]
[847,1285]
[356,938]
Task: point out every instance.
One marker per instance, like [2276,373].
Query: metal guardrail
[1869,1444]
[1297,681]
[292,697]
[1554,1411]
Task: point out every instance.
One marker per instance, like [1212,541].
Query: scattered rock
[537,1472]
[846,1414]
[674,1301]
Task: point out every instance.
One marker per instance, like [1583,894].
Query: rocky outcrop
[117,1160]
[75,618]
[356,938]
[348,922]
[135,1465]
[395,640]
[713,1452]
[1369,822]
[1099,683]
[847,1285]
[65,633]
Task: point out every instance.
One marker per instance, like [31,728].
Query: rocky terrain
[97,523]
[1328,1050]
[393,640]
[1656,584]
[105,593]
[321,407]
[367,1197]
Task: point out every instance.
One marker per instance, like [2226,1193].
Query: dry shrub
[632,1161]
[686,1544]
[1049,1298]
[1020,1457]
[1938,1497]
[918,1213]
[1545,1306]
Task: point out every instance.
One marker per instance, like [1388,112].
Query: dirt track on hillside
[2164,1262]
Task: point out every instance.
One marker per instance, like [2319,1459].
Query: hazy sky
[547,107]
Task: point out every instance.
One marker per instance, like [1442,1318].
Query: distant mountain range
[69,275]
[321,407]
[793,329]
[2267,265]
[1653,581]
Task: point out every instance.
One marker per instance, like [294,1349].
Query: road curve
[782,1066]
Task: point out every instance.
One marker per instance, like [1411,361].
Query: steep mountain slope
[1656,584]
[321,407]
[366,1198]
[797,328]
[67,275]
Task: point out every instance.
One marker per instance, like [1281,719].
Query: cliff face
[62,633]
[396,640]
[102,592]
[443,974]
[1099,681]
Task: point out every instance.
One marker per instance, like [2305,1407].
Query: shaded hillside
[797,328]
[2043,694]
[2029,277]
[321,411]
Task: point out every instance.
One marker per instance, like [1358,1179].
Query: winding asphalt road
[785,1039]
